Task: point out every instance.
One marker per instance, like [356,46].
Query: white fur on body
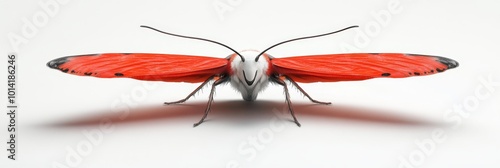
[249,69]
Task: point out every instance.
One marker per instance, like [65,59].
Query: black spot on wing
[87,73]
[54,64]
[386,74]
[118,74]
[443,60]
[448,62]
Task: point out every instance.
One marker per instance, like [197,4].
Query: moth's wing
[142,66]
[359,66]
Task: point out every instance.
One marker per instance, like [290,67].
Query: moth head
[249,72]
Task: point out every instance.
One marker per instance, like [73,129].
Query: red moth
[250,72]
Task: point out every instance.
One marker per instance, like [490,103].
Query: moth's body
[249,77]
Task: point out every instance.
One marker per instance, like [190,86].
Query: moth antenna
[301,38]
[196,38]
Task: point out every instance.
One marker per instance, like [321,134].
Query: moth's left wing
[142,66]
[359,66]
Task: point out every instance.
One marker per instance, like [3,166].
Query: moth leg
[211,98]
[287,97]
[192,93]
[305,93]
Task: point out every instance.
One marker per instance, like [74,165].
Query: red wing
[359,66]
[152,67]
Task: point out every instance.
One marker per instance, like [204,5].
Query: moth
[250,71]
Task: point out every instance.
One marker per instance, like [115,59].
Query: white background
[373,123]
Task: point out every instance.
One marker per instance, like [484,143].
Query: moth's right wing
[359,66]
